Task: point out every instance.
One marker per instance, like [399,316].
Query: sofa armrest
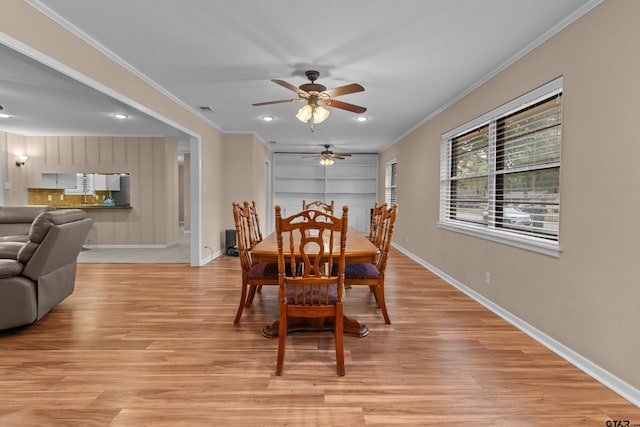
[10,268]
[9,250]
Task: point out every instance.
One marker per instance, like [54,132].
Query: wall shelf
[352,182]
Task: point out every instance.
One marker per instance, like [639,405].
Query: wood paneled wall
[152,163]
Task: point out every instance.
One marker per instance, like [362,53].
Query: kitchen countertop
[96,206]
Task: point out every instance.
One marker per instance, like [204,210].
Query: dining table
[358,249]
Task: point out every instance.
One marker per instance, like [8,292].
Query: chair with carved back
[256,233]
[253,274]
[372,274]
[255,237]
[309,289]
[374,228]
[318,205]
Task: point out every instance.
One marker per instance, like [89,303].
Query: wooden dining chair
[374,228]
[255,236]
[311,290]
[318,205]
[372,274]
[256,233]
[253,274]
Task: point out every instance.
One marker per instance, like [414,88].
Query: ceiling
[413,57]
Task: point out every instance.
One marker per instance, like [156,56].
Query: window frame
[391,181]
[489,231]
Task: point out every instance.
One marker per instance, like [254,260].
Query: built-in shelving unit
[352,182]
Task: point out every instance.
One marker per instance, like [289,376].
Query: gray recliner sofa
[15,221]
[37,275]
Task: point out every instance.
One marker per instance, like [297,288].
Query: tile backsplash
[56,197]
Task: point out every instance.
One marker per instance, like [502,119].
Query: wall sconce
[22,158]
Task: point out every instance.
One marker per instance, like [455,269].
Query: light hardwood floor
[154,345]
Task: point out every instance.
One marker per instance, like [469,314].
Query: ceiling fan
[327,156]
[317,97]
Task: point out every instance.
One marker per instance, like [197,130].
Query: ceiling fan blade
[344,106]
[341,154]
[315,156]
[290,87]
[344,90]
[275,102]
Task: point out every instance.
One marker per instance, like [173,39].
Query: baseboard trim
[96,246]
[601,375]
[212,257]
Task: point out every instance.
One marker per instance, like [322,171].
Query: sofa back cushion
[15,229]
[43,223]
[55,239]
[15,221]
[22,214]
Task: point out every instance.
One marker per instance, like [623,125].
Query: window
[391,169]
[500,174]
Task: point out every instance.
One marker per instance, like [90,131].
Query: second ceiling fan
[317,97]
[327,156]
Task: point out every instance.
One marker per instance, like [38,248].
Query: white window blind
[390,182]
[500,176]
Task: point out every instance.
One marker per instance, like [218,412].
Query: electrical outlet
[62,197]
[487,278]
[49,197]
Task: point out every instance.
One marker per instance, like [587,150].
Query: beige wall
[13,145]
[244,177]
[262,154]
[25,24]
[151,162]
[587,299]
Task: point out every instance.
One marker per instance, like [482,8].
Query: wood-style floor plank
[155,345]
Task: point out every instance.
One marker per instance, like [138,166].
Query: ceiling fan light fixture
[320,114]
[305,113]
[327,161]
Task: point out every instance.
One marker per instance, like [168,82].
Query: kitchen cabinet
[59,180]
[106,182]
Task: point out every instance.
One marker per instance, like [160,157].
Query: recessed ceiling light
[120,116]
[267,118]
[362,118]
[4,115]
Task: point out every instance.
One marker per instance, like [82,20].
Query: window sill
[523,242]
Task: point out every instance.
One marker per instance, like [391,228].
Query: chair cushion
[333,294]
[361,271]
[267,270]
